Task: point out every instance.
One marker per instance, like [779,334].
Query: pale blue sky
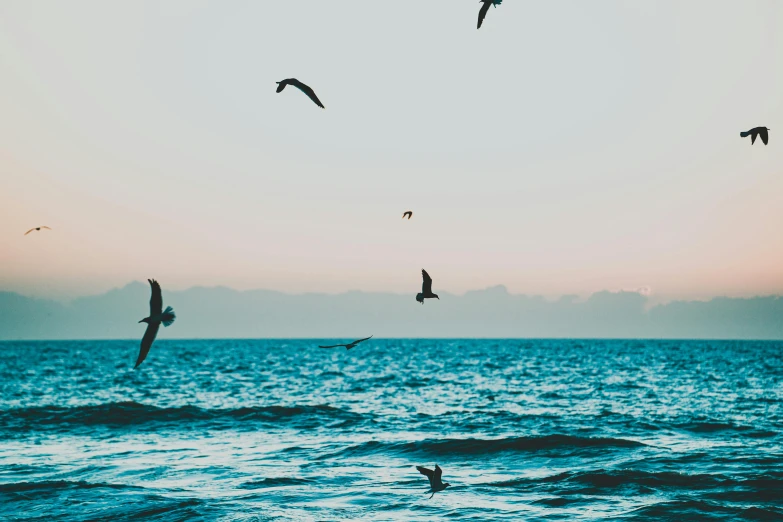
[566,147]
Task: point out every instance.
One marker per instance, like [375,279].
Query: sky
[567,147]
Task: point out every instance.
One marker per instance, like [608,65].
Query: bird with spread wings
[436,484]
[156,317]
[426,288]
[349,345]
[302,87]
[755,133]
[36,229]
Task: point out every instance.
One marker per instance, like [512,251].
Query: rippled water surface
[282,430]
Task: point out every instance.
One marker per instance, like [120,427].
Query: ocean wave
[50,485]
[448,447]
[108,502]
[273,482]
[125,414]
[684,509]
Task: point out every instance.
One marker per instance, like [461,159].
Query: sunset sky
[565,148]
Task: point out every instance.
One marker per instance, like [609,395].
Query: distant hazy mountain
[225,313]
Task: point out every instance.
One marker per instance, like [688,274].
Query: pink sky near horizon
[565,148]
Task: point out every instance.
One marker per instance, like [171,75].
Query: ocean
[282,430]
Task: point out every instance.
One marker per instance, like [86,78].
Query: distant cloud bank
[224,313]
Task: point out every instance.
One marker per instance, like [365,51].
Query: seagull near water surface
[426,288]
[36,229]
[436,484]
[302,87]
[156,317]
[756,132]
[349,345]
[485,9]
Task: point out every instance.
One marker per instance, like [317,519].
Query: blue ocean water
[283,430]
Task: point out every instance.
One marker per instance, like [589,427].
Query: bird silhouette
[302,87]
[485,8]
[436,484]
[36,228]
[407,213]
[349,345]
[426,288]
[753,133]
[157,316]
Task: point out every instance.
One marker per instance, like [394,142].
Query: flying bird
[157,316]
[302,87]
[426,288]
[753,133]
[349,345]
[485,9]
[36,229]
[407,213]
[436,484]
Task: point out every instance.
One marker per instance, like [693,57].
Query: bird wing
[47,228]
[427,473]
[408,213]
[753,137]
[483,12]
[156,300]
[333,346]
[436,477]
[309,92]
[764,136]
[426,287]
[29,231]
[281,85]
[362,340]
[146,342]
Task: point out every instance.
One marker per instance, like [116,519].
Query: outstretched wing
[753,137]
[309,92]
[146,342]
[47,228]
[436,476]
[427,473]
[764,136]
[29,231]
[483,12]
[426,286]
[156,301]
[334,346]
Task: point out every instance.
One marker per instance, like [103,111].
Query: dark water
[281,430]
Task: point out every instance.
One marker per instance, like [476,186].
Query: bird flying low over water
[485,9]
[302,87]
[426,288]
[753,133]
[349,345]
[407,213]
[157,316]
[436,484]
[37,229]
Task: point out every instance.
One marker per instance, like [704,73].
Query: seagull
[302,87]
[426,288]
[485,8]
[157,316]
[349,345]
[407,213]
[37,229]
[753,133]
[436,484]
